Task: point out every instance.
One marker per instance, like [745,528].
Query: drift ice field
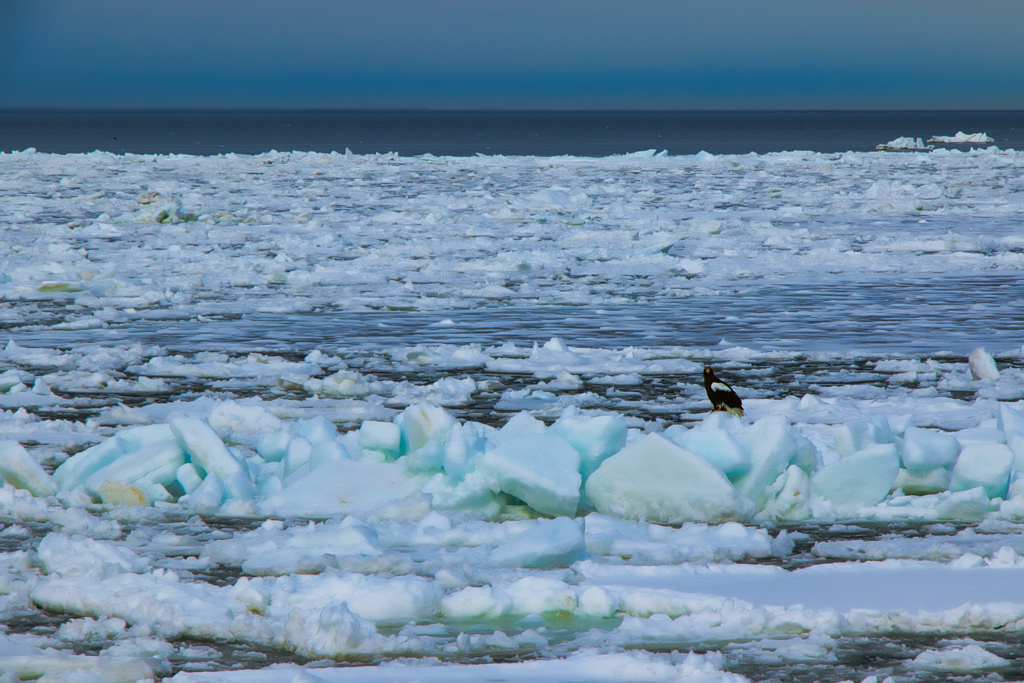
[304,417]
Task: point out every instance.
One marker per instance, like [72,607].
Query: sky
[498,54]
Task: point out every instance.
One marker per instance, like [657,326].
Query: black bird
[721,395]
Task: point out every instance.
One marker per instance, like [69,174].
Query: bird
[721,395]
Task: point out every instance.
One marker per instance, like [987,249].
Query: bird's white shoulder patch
[718,386]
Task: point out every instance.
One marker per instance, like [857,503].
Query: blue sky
[527,54]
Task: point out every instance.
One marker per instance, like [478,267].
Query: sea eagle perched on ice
[721,395]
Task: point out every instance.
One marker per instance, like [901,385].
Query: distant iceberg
[903,145]
[961,137]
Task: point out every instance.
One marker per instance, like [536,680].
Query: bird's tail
[738,412]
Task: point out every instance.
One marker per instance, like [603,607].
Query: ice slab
[857,435]
[1010,421]
[343,487]
[326,451]
[421,423]
[61,555]
[551,543]
[888,586]
[22,471]
[859,480]
[466,442]
[925,449]
[134,438]
[542,470]
[982,365]
[273,446]
[922,482]
[207,451]
[718,447]
[385,437]
[159,462]
[296,455]
[307,551]
[653,479]
[240,423]
[772,446]
[652,544]
[207,498]
[316,430]
[81,466]
[985,464]
[979,435]
[595,438]
[188,477]
[969,505]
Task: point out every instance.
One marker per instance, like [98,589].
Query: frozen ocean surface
[305,416]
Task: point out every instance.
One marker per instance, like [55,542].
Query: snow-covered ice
[962,137]
[179,237]
[455,505]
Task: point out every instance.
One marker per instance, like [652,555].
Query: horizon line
[432,110]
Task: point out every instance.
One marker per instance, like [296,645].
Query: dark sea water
[875,315]
[463,133]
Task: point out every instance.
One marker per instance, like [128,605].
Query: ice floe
[961,138]
[903,144]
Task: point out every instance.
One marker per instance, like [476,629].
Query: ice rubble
[231,459]
[28,663]
[424,528]
[294,231]
[903,144]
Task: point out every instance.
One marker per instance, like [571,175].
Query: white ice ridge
[124,237]
[239,459]
[962,137]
